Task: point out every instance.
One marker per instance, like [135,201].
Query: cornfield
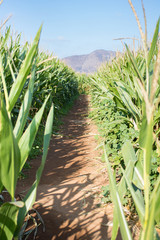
[126,101]
[33,87]
[126,106]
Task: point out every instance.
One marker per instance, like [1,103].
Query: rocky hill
[89,63]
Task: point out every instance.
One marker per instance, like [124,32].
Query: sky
[74,27]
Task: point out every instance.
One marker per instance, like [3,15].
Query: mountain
[89,63]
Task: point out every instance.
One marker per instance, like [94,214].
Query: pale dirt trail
[69,191]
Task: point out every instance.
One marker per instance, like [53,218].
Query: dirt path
[68,194]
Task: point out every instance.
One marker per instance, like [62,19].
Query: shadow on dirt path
[68,197]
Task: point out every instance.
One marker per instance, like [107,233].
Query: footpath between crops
[69,193]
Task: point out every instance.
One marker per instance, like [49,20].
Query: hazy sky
[72,27]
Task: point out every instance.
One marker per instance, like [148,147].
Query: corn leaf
[137,197]
[156,194]
[125,232]
[137,87]
[127,100]
[130,160]
[154,42]
[4,82]
[23,113]
[27,139]
[122,187]
[8,219]
[115,225]
[132,172]
[5,39]
[129,153]
[23,73]
[138,175]
[31,195]
[146,141]
[149,230]
[134,168]
[134,64]
[46,141]
[143,133]
[157,212]
[11,70]
[9,152]
[120,104]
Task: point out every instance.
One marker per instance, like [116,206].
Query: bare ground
[69,192]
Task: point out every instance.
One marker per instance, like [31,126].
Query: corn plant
[16,140]
[83,83]
[137,170]
[52,78]
[57,79]
[119,79]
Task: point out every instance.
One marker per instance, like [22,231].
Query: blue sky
[73,27]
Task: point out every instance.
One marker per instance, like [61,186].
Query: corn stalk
[16,140]
[136,174]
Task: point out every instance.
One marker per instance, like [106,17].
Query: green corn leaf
[120,105]
[157,212]
[122,187]
[136,179]
[23,73]
[142,67]
[5,39]
[134,168]
[11,70]
[8,219]
[154,42]
[46,141]
[137,87]
[115,225]
[137,197]
[132,172]
[138,175]
[125,232]
[146,141]
[100,85]
[143,132]
[129,153]
[127,100]
[31,195]
[27,139]
[148,232]
[129,82]
[156,194]
[134,64]
[4,82]
[157,116]
[9,152]
[23,114]
[130,160]
[114,91]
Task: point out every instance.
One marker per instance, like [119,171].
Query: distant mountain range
[89,63]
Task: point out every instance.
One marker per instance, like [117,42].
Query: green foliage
[51,77]
[106,194]
[113,126]
[17,137]
[8,219]
[126,106]
[30,81]
[83,83]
